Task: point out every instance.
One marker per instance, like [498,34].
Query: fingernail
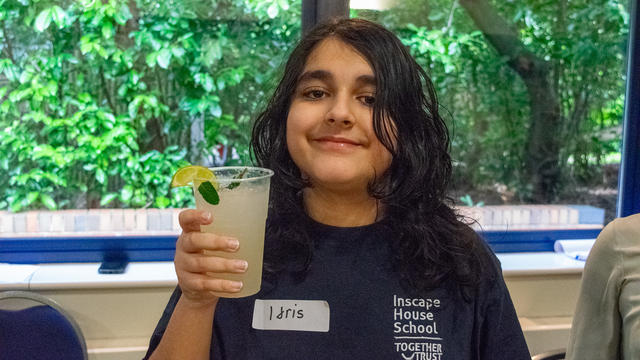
[241,265]
[206,216]
[233,244]
[236,285]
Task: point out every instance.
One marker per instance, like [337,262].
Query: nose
[340,112]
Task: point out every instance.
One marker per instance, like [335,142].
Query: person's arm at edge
[595,329]
[189,330]
[188,334]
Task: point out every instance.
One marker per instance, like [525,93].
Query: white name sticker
[297,315]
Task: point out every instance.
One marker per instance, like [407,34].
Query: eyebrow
[324,75]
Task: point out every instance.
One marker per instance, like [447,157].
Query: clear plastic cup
[241,213]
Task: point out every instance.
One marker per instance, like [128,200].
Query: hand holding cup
[197,266]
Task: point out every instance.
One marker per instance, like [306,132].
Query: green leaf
[164,57]
[177,51]
[48,201]
[235,184]
[213,52]
[85,45]
[108,198]
[100,176]
[207,82]
[126,193]
[123,14]
[220,83]
[162,202]
[284,4]
[58,15]
[89,167]
[273,10]
[107,30]
[152,59]
[209,193]
[43,20]
[139,198]
[215,109]
[31,197]
[133,108]
[148,155]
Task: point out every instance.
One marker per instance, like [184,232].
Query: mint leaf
[209,193]
[235,184]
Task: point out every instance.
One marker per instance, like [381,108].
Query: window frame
[629,175]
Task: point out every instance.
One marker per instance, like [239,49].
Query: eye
[314,94]
[368,100]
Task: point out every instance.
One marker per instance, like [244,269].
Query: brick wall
[92,221]
[165,221]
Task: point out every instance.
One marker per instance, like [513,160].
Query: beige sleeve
[595,332]
[628,234]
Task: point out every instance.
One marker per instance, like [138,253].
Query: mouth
[337,141]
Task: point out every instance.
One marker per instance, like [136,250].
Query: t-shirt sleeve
[595,332]
[164,321]
[501,336]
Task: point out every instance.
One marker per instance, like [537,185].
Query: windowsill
[85,276]
[162,274]
[539,263]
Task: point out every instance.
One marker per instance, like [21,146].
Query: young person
[364,259]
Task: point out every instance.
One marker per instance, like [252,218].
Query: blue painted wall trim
[86,249]
[533,240]
[162,248]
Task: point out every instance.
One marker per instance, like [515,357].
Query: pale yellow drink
[241,213]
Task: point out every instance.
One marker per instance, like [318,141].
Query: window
[533,93]
[100,102]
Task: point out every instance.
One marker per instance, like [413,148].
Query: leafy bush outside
[100,102]
[531,89]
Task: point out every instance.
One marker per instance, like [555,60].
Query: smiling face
[330,132]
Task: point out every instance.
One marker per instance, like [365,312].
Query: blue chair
[34,327]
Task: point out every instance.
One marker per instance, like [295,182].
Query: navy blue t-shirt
[351,305]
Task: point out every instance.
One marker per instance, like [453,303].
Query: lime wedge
[186,175]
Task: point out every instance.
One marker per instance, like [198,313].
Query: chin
[339,178]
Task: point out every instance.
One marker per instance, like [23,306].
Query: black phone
[113,266]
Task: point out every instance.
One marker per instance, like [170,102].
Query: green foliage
[486,103]
[468,201]
[101,101]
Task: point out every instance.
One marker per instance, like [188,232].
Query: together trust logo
[415,328]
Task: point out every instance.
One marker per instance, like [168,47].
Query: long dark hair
[430,243]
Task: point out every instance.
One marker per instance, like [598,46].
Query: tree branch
[9,47]
[106,91]
[503,38]
[542,151]
[454,5]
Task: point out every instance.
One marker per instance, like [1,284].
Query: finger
[212,264]
[195,242]
[191,219]
[202,283]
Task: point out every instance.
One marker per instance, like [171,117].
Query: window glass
[101,101]
[533,93]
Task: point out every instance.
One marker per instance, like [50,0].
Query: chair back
[35,327]
[550,355]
